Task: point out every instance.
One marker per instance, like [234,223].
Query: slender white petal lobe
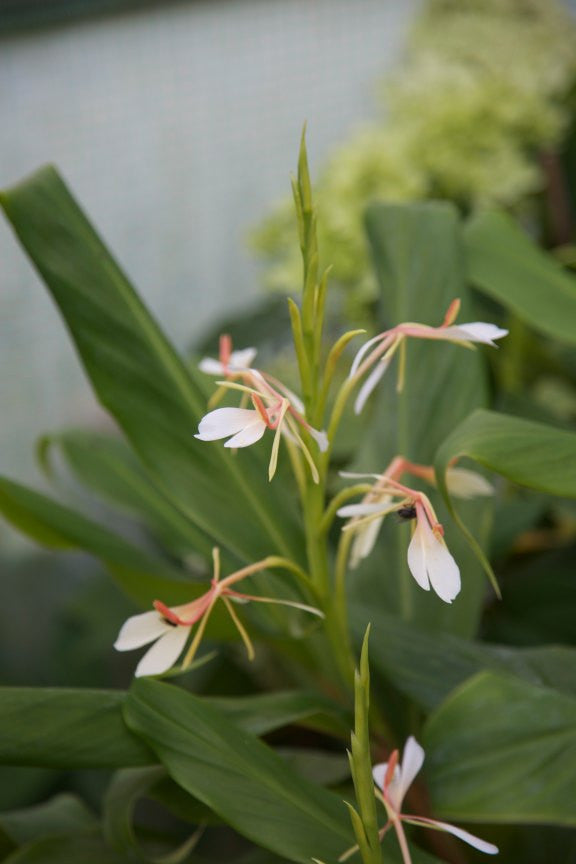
[141,629]
[164,653]
[369,385]
[477,331]
[225,421]
[431,563]
[464,483]
[249,435]
[412,761]
[471,839]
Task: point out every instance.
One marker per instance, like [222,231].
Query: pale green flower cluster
[482,92]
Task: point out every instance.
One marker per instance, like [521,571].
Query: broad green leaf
[67,729]
[139,378]
[418,257]
[527,453]
[142,576]
[427,666]
[504,263]
[63,814]
[503,750]
[122,795]
[107,466]
[236,775]
[77,728]
[88,848]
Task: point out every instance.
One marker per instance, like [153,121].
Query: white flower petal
[430,562]
[362,509]
[249,435]
[240,360]
[417,551]
[379,773]
[476,331]
[362,353]
[471,839]
[412,760]
[225,421]
[369,385]
[210,366]
[320,437]
[364,541]
[352,475]
[464,483]
[164,653]
[140,630]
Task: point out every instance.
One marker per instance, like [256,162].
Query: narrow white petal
[412,760]
[464,483]
[362,353]
[379,773]
[210,366]
[417,556]
[471,839]
[443,571]
[362,509]
[352,475]
[476,331]
[249,435]
[140,630]
[242,359]
[320,437]
[364,541]
[369,385]
[225,421]
[164,653]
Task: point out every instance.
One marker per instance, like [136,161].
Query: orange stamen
[166,612]
[391,768]
[451,313]
[225,349]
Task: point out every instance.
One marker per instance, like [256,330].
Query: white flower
[379,350]
[393,782]
[169,640]
[464,483]
[429,560]
[243,426]
[238,362]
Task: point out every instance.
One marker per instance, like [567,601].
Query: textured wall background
[176,126]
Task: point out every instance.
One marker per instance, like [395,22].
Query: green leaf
[87,848]
[139,378]
[503,750]
[143,577]
[60,728]
[236,775]
[107,466]
[418,257]
[427,666]
[527,453]
[504,263]
[63,814]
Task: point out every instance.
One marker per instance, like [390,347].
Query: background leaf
[504,263]
[503,750]
[236,775]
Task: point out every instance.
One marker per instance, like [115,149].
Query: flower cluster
[274,407]
[169,627]
[429,560]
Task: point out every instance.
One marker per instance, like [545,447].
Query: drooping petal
[369,385]
[476,331]
[320,437]
[471,839]
[249,435]
[141,629]
[431,563]
[379,773]
[164,653]
[412,760]
[225,421]
[364,542]
[363,351]
[464,483]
